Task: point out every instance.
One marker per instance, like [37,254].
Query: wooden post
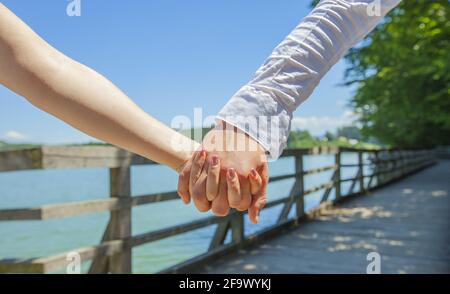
[219,235]
[376,169]
[237,228]
[120,220]
[404,163]
[337,183]
[300,203]
[361,171]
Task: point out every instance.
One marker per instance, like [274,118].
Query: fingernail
[257,218]
[214,160]
[253,173]
[203,153]
[231,173]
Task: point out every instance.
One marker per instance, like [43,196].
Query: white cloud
[14,135]
[318,125]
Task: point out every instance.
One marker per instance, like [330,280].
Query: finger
[255,182]
[220,206]
[212,181]
[233,188]
[183,183]
[260,198]
[198,193]
[246,197]
[196,168]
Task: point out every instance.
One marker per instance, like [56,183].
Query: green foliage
[8,147]
[403,77]
[303,139]
[350,132]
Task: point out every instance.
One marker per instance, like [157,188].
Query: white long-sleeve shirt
[263,108]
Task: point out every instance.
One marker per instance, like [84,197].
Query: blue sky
[169,57]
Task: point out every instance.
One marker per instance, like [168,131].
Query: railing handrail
[114,252]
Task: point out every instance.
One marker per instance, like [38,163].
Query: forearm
[81,97]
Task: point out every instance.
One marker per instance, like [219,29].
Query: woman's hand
[219,178]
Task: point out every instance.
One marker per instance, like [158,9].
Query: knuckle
[234,203]
[245,204]
[262,202]
[210,195]
[220,210]
[234,185]
[197,193]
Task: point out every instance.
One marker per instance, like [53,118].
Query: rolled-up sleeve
[263,108]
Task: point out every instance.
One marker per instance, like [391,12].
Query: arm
[295,67]
[81,97]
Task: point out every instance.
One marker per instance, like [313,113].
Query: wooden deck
[407,223]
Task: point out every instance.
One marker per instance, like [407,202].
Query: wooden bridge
[406,222]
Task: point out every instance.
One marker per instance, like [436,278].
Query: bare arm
[81,97]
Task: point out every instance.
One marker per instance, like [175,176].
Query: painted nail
[215,160]
[203,153]
[231,173]
[254,173]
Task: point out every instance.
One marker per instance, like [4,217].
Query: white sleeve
[263,107]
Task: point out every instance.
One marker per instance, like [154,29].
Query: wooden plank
[280,178]
[120,188]
[310,151]
[374,171]
[237,227]
[337,180]
[327,192]
[20,159]
[99,263]
[219,235]
[300,203]
[176,230]
[82,207]
[361,172]
[60,210]
[319,187]
[21,214]
[49,157]
[56,262]
[153,198]
[293,198]
[319,170]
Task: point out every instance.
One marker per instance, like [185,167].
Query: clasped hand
[229,171]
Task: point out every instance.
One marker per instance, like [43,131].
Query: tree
[349,132]
[403,77]
[330,136]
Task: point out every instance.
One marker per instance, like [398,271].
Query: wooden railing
[113,254]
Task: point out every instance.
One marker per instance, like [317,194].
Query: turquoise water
[27,239]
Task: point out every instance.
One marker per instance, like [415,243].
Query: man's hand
[230,172]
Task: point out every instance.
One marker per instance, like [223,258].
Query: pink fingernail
[215,160]
[231,173]
[253,173]
[203,153]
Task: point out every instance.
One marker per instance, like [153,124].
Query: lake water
[25,239]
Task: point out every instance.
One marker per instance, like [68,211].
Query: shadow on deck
[407,223]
